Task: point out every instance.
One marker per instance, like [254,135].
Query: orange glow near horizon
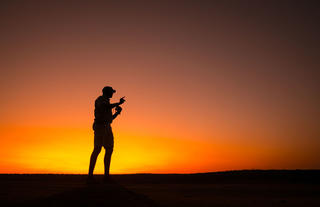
[67,150]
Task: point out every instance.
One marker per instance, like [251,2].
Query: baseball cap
[108,89]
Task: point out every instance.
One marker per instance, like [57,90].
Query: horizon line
[146,173]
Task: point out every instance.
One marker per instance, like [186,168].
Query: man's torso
[102,111]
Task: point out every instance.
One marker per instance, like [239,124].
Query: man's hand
[122,100]
[118,109]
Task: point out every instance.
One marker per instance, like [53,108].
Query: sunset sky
[210,85]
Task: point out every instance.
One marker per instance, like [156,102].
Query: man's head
[108,91]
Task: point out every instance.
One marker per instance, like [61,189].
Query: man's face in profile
[109,95]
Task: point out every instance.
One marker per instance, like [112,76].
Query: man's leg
[93,159]
[107,159]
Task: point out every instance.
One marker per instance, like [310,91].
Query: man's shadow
[101,194]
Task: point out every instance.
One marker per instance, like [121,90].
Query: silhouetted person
[103,136]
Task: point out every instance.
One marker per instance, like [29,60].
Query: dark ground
[233,188]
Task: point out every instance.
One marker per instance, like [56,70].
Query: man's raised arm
[118,104]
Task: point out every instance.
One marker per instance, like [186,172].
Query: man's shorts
[103,136]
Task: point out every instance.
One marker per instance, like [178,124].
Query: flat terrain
[232,188]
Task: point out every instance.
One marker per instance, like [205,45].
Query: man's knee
[109,151]
[96,150]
